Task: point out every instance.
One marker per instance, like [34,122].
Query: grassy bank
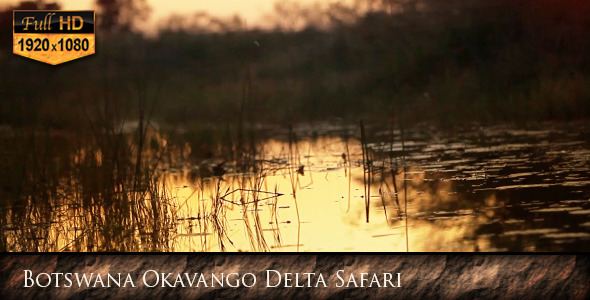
[449,63]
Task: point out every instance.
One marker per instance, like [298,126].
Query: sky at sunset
[253,11]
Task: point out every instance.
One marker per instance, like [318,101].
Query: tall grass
[293,160]
[405,167]
[367,171]
[97,189]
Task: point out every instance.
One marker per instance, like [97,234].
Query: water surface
[500,188]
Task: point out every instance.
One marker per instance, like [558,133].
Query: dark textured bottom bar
[432,276]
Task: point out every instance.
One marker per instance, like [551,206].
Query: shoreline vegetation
[444,62]
[88,149]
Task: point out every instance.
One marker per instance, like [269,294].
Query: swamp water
[495,188]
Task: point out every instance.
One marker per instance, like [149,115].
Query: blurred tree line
[445,61]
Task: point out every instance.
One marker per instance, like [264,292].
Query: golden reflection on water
[328,221]
[86,193]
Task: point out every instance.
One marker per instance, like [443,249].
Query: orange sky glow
[252,11]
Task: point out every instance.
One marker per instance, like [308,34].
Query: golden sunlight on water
[508,192]
[331,207]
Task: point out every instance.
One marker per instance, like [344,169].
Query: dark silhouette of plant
[121,14]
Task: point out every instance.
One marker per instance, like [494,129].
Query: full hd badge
[53,36]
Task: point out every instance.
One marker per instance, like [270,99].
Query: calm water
[479,189]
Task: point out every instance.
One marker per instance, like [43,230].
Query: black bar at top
[52,25]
